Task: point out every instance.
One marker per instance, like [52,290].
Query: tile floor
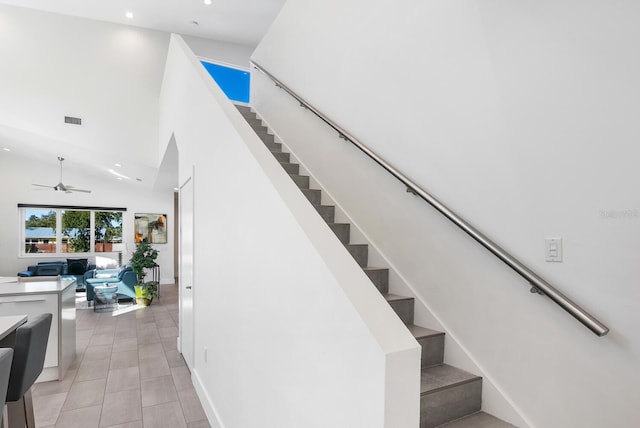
[127,374]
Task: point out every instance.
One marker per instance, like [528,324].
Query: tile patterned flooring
[127,374]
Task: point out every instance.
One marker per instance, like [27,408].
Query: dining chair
[6,357]
[28,361]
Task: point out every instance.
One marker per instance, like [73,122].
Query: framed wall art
[151,228]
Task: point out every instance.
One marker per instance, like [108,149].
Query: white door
[186,272]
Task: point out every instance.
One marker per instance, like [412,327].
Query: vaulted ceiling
[241,22]
[236,21]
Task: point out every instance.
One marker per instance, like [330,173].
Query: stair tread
[478,420]
[436,378]
[422,332]
[395,297]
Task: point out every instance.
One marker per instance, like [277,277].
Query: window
[76,231]
[40,231]
[233,82]
[64,230]
[107,231]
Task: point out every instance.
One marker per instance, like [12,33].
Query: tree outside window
[76,231]
[108,230]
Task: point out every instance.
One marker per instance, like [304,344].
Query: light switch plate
[553,249]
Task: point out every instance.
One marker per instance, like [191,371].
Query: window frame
[59,209]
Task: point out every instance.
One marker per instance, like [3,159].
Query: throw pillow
[77,266]
[104,275]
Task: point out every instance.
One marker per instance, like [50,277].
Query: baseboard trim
[209,409]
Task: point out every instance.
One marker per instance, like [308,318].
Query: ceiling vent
[73,120]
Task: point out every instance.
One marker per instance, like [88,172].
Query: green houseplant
[144,257]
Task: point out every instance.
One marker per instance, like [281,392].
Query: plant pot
[143,297]
[142,301]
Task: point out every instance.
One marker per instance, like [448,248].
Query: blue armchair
[124,278]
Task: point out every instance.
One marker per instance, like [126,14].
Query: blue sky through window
[233,82]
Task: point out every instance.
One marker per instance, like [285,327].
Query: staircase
[448,396]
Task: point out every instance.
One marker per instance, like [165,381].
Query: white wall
[107,74]
[520,117]
[16,175]
[110,76]
[294,335]
[222,52]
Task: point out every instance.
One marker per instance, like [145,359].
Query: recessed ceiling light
[207,2]
[129,15]
[117,174]
[6,149]
[117,164]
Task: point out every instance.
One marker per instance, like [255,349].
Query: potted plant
[144,257]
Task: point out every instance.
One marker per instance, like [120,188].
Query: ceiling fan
[63,187]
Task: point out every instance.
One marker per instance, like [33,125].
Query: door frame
[186,289]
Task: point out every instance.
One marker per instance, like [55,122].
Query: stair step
[255,122]
[342,231]
[265,136]
[302,181]
[379,277]
[274,147]
[478,420]
[291,168]
[402,306]
[282,157]
[245,111]
[432,344]
[360,252]
[314,195]
[328,212]
[447,394]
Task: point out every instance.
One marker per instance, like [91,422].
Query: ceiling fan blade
[70,188]
[60,187]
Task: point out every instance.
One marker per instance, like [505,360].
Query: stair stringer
[494,400]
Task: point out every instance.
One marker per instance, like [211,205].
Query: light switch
[553,249]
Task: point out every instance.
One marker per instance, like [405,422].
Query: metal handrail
[538,284]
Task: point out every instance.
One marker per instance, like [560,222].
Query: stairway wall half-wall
[294,334]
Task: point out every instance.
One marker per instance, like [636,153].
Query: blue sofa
[70,267]
[124,278]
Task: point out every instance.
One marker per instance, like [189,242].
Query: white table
[56,297]
[9,323]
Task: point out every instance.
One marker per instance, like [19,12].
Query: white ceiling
[236,21]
